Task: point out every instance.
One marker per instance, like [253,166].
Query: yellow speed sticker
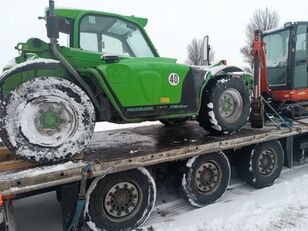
[165,100]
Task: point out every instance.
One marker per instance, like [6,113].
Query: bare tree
[195,53]
[261,20]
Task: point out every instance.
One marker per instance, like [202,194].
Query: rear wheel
[120,201]
[47,119]
[225,105]
[206,178]
[260,165]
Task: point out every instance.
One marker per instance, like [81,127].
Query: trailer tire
[206,178]
[225,105]
[133,190]
[260,165]
[47,119]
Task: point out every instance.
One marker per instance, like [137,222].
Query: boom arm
[259,61]
[260,81]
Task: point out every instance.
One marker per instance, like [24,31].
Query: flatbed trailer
[117,153]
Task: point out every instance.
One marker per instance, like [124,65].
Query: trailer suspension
[86,171]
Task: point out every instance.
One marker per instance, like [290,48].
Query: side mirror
[52,22]
[206,50]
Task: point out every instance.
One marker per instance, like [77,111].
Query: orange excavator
[280,72]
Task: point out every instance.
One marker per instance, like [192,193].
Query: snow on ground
[284,206]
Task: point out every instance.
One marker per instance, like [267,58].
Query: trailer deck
[118,150]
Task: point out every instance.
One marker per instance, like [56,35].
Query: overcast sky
[172,23]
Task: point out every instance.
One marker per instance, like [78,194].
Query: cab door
[300,69]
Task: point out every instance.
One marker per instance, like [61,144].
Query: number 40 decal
[174,79]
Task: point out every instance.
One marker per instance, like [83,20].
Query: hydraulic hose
[72,71]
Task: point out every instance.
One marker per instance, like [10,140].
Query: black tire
[260,165]
[206,178]
[2,221]
[174,122]
[102,197]
[47,120]
[233,94]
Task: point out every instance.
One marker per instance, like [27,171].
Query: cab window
[110,35]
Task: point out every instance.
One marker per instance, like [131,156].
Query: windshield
[276,57]
[110,35]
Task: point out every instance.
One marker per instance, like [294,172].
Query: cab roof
[75,13]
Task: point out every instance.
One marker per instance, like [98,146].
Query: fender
[214,71]
[28,66]
[222,69]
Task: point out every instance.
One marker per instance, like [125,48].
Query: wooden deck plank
[4,151]
[15,165]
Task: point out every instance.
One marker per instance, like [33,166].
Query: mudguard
[28,66]
[222,69]
[209,73]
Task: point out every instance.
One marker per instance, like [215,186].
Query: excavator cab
[286,66]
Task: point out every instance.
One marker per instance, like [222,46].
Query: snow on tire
[260,165]
[206,178]
[47,119]
[120,201]
[225,105]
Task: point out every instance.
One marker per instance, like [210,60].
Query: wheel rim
[48,121]
[230,105]
[267,162]
[208,177]
[122,201]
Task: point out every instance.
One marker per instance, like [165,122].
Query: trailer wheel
[47,119]
[225,105]
[120,201]
[260,165]
[173,122]
[206,178]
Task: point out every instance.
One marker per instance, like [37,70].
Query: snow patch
[36,171]
[152,182]
[223,80]
[250,161]
[191,161]
[210,105]
[252,210]
[12,63]
[191,195]
[92,226]
[135,150]
[26,63]
[214,121]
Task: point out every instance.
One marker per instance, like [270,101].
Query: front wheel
[225,105]
[47,119]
